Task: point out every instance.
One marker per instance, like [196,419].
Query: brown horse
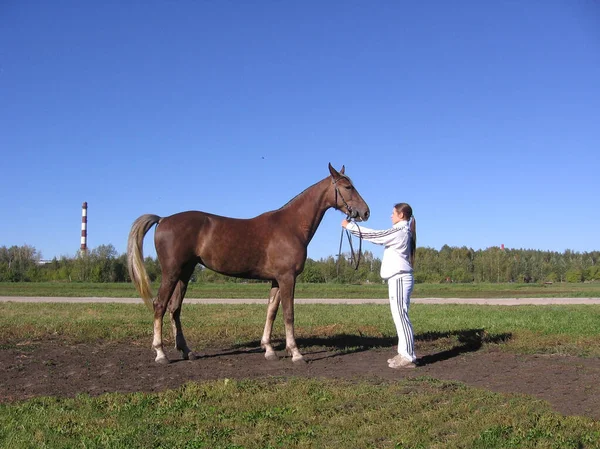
[271,246]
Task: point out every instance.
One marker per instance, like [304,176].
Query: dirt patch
[569,384]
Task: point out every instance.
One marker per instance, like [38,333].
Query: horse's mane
[299,195]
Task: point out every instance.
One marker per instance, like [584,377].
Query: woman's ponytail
[413,241]
[408,213]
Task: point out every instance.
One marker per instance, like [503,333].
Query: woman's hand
[344,223]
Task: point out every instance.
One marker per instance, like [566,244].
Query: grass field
[572,329]
[297,412]
[562,329]
[261,290]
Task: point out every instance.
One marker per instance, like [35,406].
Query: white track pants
[400,287]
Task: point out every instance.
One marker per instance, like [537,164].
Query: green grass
[296,413]
[563,329]
[261,290]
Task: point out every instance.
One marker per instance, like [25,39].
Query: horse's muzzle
[357,216]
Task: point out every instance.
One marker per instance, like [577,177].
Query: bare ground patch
[52,368]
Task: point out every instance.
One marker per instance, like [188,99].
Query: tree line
[449,264]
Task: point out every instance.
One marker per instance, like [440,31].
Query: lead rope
[353,256]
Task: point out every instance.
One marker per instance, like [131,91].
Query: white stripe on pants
[400,287]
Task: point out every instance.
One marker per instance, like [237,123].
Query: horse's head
[346,197]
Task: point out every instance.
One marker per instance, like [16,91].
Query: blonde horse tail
[135,256]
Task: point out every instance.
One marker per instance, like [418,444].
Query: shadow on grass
[469,340]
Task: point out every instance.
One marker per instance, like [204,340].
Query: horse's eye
[349,187]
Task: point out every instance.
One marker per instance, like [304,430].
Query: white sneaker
[399,362]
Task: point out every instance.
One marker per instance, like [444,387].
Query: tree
[312,273]
[19,263]
[104,264]
[592,273]
[574,275]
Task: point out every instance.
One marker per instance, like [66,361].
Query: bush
[592,273]
[574,276]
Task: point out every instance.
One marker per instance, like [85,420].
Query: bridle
[354,257]
[338,193]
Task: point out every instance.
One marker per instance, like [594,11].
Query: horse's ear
[334,172]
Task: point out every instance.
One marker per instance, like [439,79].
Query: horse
[271,247]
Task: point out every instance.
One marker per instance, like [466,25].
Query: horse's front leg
[265,342]
[286,289]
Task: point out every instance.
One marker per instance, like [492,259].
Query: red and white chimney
[84,227]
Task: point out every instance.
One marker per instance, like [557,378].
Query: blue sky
[484,116]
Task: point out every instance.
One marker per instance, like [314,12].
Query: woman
[400,243]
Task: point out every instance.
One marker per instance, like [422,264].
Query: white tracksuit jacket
[396,255]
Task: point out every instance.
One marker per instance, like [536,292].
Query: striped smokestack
[84,227]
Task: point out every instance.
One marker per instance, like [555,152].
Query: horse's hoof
[162,361]
[191,356]
[271,356]
[298,360]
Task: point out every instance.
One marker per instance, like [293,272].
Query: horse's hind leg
[175,312]
[265,341]
[167,286]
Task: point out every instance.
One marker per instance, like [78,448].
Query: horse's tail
[135,256]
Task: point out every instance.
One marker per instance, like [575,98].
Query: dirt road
[495,301]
